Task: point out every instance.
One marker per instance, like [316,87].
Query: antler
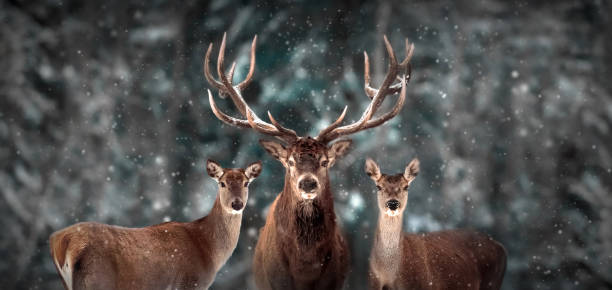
[333,131]
[225,87]
[371,92]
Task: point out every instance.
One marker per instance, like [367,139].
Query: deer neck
[221,230]
[310,222]
[387,242]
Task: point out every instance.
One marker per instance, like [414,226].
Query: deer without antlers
[300,246]
[171,255]
[453,259]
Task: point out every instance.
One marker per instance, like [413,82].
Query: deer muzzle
[308,186]
[393,204]
[237,206]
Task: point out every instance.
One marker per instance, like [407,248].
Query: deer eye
[324,163]
[246,184]
[222,184]
[406,188]
[378,187]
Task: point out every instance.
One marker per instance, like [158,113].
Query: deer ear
[412,170]
[214,169]
[253,170]
[338,149]
[275,149]
[372,170]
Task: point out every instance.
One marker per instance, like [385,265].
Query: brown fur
[300,246]
[454,259]
[170,255]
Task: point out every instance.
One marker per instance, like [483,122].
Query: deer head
[307,162]
[392,189]
[307,159]
[233,184]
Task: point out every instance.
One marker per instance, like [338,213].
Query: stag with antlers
[300,246]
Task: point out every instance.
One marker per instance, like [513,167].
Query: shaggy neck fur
[221,230]
[310,222]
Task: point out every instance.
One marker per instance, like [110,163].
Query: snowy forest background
[104,117]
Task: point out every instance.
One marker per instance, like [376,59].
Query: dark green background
[104,117]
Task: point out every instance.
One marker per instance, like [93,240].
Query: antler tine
[247,79]
[220,60]
[409,52]
[231,72]
[370,92]
[224,117]
[335,124]
[288,136]
[253,124]
[280,127]
[405,64]
[389,79]
[396,109]
[207,73]
[377,96]
[387,88]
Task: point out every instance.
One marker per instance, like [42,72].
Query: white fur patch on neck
[392,213]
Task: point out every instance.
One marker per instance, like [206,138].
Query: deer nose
[393,204]
[237,204]
[308,184]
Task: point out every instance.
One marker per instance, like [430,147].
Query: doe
[452,259]
[170,255]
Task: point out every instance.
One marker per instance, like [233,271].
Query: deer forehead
[234,175]
[308,148]
[393,181]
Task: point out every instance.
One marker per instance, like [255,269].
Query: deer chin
[308,196]
[392,213]
[234,212]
